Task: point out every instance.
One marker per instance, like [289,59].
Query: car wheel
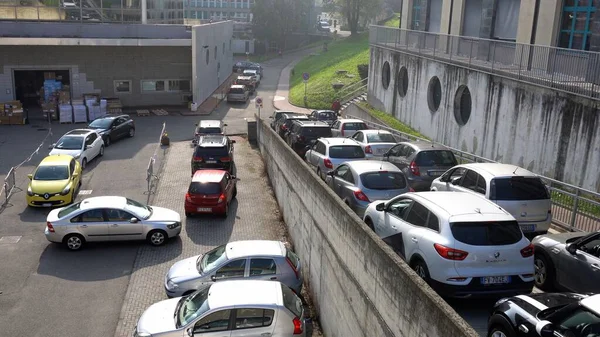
[156,237]
[107,141]
[74,242]
[226,211]
[83,163]
[369,223]
[319,173]
[101,151]
[544,273]
[188,214]
[499,327]
[131,132]
[234,192]
[421,269]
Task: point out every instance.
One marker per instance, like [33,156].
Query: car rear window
[381,138]
[327,115]
[209,130]
[291,301]
[316,132]
[355,126]
[236,91]
[68,210]
[212,151]
[383,180]
[204,188]
[294,259]
[346,152]
[436,158]
[489,233]
[518,188]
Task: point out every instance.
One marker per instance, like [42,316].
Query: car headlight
[173,225]
[171,285]
[66,190]
[29,191]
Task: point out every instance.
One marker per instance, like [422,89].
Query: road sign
[305,76]
[259,102]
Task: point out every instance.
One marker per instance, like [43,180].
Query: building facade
[573,24]
[235,10]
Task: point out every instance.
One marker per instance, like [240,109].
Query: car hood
[159,317]
[160,214]
[184,270]
[534,303]
[73,153]
[552,239]
[48,186]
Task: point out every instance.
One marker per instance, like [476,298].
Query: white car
[83,144]
[347,127]
[519,191]
[252,72]
[462,245]
[227,308]
[375,143]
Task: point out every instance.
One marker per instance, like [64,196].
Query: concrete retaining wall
[359,285]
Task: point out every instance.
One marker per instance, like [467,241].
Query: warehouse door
[36,87]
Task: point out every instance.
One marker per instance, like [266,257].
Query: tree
[354,10]
[276,20]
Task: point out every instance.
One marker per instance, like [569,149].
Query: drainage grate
[10,239]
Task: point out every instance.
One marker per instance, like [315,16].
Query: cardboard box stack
[11,113]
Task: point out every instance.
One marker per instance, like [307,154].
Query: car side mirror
[233,142]
[331,173]
[113,127]
[190,332]
[51,146]
[307,148]
[455,181]
[133,220]
[224,124]
[572,249]
[88,147]
[380,207]
[271,117]
[75,174]
[30,176]
[213,278]
[545,329]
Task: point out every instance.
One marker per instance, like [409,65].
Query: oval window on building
[434,94]
[402,81]
[462,105]
[385,76]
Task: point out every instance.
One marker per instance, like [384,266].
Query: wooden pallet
[160,112]
[143,112]
[115,110]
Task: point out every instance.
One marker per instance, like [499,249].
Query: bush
[363,71]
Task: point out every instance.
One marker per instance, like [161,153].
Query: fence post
[520,60]
[493,56]
[471,53]
[574,211]
[553,67]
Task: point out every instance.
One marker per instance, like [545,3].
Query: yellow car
[54,182]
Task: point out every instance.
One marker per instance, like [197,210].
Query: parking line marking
[10,239]
[83,192]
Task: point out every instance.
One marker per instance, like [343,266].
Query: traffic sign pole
[258,102]
[305,77]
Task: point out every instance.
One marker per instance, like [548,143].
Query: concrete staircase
[360,98]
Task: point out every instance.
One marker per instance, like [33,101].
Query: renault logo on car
[497,254]
[46,196]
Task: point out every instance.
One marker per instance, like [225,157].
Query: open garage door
[34,87]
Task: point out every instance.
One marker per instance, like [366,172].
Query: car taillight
[414,168]
[297,326]
[328,163]
[293,267]
[221,198]
[528,251]
[450,253]
[197,159]
[361,196]
[283,127]
[188,197]
[368,149]
[342,132]
[410,189]
[50,227]
[301,138]
[225,159]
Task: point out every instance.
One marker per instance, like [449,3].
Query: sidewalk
[281,99]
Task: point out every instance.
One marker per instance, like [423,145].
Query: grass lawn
[394,21]
[344,54]
[390,121]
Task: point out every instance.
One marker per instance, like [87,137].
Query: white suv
[326,154]
[520,192]
[462,245]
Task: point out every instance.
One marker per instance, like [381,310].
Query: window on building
[122,87]
[507,19]
[166,86]
[472,19]
[577,17]
[179,85]
[416,17]
[153,85]
[435,16]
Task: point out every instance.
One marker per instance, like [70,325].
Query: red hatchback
[211,191]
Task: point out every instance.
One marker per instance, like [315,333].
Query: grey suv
[328,153]
[421,162]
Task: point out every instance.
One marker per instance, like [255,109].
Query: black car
[277,115]
[327,116]
[304,133]
[113,127]
[240,66]
[282,127]
[213,152]
[546,315]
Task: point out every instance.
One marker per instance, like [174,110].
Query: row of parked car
[464,228]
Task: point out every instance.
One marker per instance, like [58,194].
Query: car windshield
[204,188]
[489,233]
[236,91]
[249,72]
[209,130]
[140,210]
[518,188]
[103,123]
[326,115]
[211,151]
[191,307]
[291,301]
[346,152]
[383,180]
[52,172]
[381,138]
[316,132]
[68,210]
[69,143]
[436,158]
[211,260]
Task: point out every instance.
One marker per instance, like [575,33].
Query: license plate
[211,161]
[495,280]
[200,209]
[46,205]
[435,173]
[528,228]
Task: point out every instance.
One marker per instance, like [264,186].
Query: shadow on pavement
[212,230]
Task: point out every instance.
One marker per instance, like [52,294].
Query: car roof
[208,176]
[372,132]
[112,116]
[592,303]
[492,170]
[212,140]
[329,111]
[330,141]
[244,292]
[103,201]
[210,123]
[237,86]
[364,166]
[294,114]
[245,248]
[461,205]
[80,132]
[349,120]
[424,145]
[250,70]
[55,159]
[312,123]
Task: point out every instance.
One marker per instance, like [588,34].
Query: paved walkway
[281,99]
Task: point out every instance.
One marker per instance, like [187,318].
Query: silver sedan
[111,218]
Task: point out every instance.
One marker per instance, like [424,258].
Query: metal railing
[568,70]
[352,91]
[151,178]
[573,208]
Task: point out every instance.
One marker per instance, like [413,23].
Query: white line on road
[10,239]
